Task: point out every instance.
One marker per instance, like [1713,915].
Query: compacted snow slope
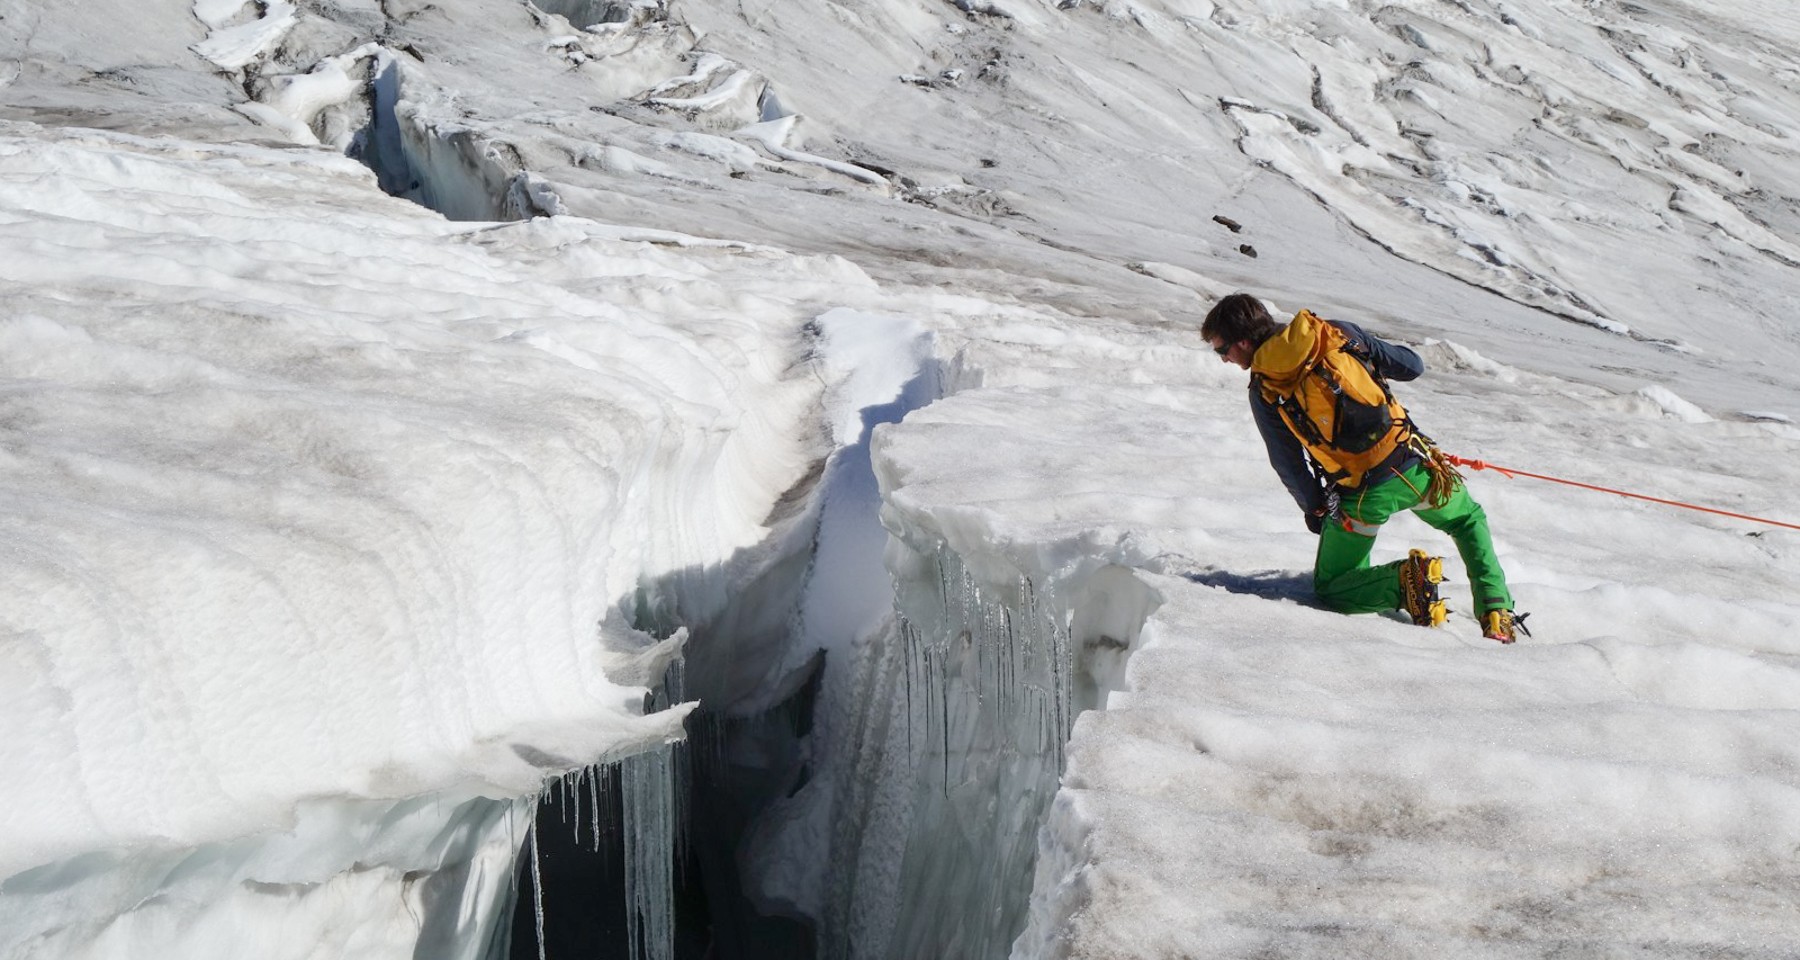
[343,499]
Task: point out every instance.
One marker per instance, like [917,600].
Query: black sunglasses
[1222,349]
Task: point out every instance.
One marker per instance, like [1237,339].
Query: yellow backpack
[1330,397]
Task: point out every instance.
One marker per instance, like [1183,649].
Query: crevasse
[891,798]
[939,732]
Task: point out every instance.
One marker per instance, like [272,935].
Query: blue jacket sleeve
[1392,361]
[1286,454]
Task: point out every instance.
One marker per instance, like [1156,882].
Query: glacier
[438,438]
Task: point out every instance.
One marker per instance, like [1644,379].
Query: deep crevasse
[321,370]
[941,734]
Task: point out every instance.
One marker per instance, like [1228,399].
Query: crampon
[1420,575]
[1503,625]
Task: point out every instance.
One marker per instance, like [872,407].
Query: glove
[1315,522]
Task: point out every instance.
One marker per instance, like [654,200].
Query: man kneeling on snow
[1319,394]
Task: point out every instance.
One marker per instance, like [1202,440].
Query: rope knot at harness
[1478,465]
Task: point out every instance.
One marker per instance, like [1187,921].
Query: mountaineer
[1351,457]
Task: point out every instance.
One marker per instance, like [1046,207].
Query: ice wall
[988,672]
[949,741]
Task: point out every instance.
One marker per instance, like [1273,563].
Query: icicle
[1060,645]
[674,691]
[1010,680]
[600,796]
[974,649]
[1029,593]
[906,642]
[944,729]
[971,597]
[537,883]
[649,834]
[927,712]
[680,788]
[988,675]
[571,791]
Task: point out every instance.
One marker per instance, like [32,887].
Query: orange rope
[1508,471]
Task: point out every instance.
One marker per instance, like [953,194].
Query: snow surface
[332,526]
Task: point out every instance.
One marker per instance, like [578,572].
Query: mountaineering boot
[1503,625]
[1419,578]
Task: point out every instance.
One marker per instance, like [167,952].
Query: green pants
[1342,575]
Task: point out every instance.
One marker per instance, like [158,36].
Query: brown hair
[1239,317]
